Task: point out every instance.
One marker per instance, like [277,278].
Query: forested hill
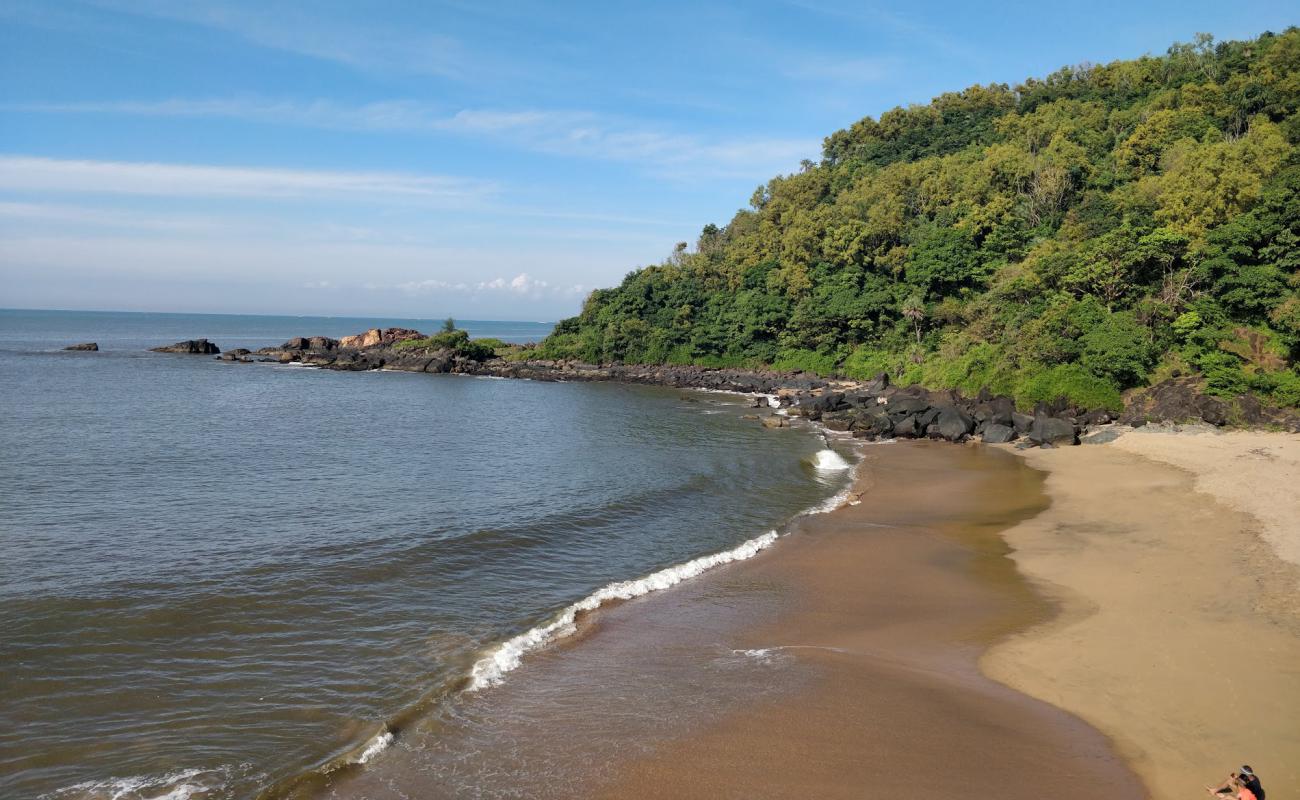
[1103,228]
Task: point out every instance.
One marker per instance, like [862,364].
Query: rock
[1053,431]
[191,347]
[904,404]
[997,433]
[1002,410]
[927,418]
[1174,400]
[906,428]
[1021,422]
[775,421]
[873,422]
[877,384]
[954,424]
[238,354]
[87,346]
[1107,434]
[376,337]
[838,421]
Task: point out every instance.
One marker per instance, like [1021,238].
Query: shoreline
[1179,625]
[859,636]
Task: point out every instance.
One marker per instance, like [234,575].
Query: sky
[486,160]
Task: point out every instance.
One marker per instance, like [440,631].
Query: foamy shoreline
[1172,557]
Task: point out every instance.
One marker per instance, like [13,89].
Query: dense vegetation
[1103,228]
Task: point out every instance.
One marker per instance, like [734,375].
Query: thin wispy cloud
[569,134]
[25,173]
[845,70]
[309,31]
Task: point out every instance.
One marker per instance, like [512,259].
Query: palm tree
[914,309]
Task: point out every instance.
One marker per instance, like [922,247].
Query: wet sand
[1179,634]
[842,662]
[894,601]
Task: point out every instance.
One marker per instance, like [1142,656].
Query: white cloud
[23,173]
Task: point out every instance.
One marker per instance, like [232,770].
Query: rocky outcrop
[87,346]
[378,338]
[190,347]
[873,409]
[1183,400]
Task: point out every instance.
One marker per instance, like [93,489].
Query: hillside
[1103,228]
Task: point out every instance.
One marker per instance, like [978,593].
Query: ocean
[221,580]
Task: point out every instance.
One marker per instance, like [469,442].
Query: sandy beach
[1070,623]
[1172,557]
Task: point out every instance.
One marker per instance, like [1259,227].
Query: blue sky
[486,160]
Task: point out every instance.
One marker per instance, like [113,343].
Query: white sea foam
[829,461]
[491,669]
[840,498]
[180,785]
[376,745]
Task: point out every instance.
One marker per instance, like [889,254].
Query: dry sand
[1178,634]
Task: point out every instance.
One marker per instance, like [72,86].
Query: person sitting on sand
[1245,784]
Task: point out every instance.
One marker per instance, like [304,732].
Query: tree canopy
[1102,228]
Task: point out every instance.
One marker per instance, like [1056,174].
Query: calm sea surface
[216,577]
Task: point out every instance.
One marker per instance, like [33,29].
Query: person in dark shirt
[1246,779]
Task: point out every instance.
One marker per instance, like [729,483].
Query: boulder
[906,428]
[954,424]
[1053,431]
[997,433]
[87,346]
[1021,422]
[905,404]
[376,337]
[238,354]
[775,421]
[838,421]
[190,347]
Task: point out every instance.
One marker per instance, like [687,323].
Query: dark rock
[1002,410]
[1053,430]
[877,384]
[997,433]
[1021,422]
[87,346]
[906,428]
[906,404]
[926,418]
[954,424]
[1174,400]
[191,347]
[1107,434]
[837,421]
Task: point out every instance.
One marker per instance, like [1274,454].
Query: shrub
[806,361]
[1071,381]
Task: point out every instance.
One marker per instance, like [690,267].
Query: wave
[179,785]
[829,461]
[505,657]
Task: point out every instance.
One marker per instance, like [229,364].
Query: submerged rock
[775,421]
[191,347]
[87,346]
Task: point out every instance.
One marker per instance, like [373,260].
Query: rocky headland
[873,409]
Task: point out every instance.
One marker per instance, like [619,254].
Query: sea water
[217,577]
